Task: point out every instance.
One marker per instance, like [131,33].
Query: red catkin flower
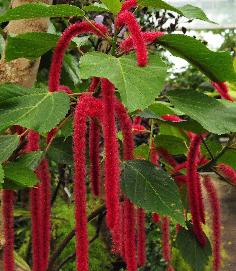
[72,31]
[201,203]
[129,4]
[112,162]
[129,214]
[138,129]
[94,139]
[137,120]
[149,37]
[130,246]
[154,157]
[223,90]
[141,237]
[167,157]
[94,152]
[87,106]
[166,250]
[65,89]
[172,118]
[45,201]
[216,217]
[129,19]
[228,172]
[94,84]
[156,218]
[170,268]
[8,228]
[193,188]
[36,212]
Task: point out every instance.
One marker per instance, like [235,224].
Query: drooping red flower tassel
[8,228]
[156,218]
[129,213]
[193,188]
[129,4]
[172,118]
[94,84]
[223,90]
[94,152]
[149,37]
[166,250]
[43,174]
[129,19]
[130,246]
[36,212]
[170,268]
[72,31]
[87,106]
[167,157]
[201,203]
[141,237]
[112,162]
[228,172]
[216,217]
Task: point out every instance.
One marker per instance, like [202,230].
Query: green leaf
[215,116]
[158,109]
[18,177]
[30,45]
[30,11]
[96,7]
[138,86]
[142,151]
[187,11]
[20,263]
[114,6]
[61,151]
[8,143]
[172,144]
[30,160]
[152,188]
[192,252]
[70,72]
[34,108]
[38,42]
[218,66]
[1,174]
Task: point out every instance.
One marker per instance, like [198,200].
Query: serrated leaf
[8,143]
[96,7]
[35,44]
[18,177]
[218,66]
[114,6]
[187,11]
[30,160]
[34,108]
[30,11]
[138,86]
[215,116]
[1,174]
[192,252]
[152,188]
